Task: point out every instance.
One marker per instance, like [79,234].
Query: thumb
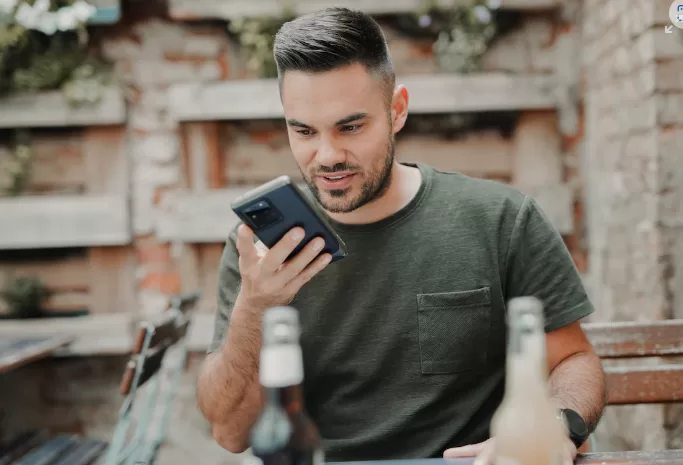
[471,450]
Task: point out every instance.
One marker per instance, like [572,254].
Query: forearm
[229,393]
[578,383]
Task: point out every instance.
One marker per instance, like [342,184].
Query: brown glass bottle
[283,434]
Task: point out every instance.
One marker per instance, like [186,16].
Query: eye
[305,132]
[350,127]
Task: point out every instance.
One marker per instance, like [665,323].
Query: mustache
[339,167]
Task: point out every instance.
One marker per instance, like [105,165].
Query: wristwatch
[576,426]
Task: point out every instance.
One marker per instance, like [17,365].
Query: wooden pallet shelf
[222,9]
[197,217]
[206,217]
[440,93]
[64,221]
[51,109]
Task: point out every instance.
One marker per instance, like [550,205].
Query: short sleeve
[229,281]
[539,264]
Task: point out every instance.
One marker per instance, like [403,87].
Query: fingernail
[318,244]
[327,259]
[297,235]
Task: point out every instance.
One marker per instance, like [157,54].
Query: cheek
[303,151]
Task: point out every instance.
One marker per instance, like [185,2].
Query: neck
[404,184]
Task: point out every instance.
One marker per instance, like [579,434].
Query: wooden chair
[139,441]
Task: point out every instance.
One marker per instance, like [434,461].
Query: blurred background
[127,126]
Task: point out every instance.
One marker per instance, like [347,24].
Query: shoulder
[476,196]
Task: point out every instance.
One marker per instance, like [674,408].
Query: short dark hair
[332,38]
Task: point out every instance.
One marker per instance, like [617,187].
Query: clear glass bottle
[526,426]
[283,434]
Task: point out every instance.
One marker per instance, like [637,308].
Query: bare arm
[576,380]
[228,388]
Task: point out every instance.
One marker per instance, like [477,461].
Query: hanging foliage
[24,297]
[43,46]
[462,33]
[256,36]
[15,165]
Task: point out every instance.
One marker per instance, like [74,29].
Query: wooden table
[663,457]
[19,351]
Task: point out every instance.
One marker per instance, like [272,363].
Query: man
[404,340]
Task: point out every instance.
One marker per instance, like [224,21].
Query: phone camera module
[262,214]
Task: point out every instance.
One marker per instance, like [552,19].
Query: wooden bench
[643,383]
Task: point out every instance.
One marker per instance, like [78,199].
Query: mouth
[335,181]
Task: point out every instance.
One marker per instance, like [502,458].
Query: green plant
[24,297]
[15,165]
[256,36]
[463,32]
[44,47]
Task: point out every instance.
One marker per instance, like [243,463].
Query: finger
[245,243]
[301,260]
[307,274]
[485,457]
[277,255]
[471,450]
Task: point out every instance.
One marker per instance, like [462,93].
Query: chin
[338,201]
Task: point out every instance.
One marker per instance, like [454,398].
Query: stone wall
[633,177]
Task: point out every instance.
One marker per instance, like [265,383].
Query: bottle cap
[281,325]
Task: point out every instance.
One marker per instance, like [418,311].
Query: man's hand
[485,452]
[267,280]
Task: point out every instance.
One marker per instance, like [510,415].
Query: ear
[399,108]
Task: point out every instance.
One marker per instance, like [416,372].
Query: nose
[329,152]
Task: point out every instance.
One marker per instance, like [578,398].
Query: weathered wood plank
[113,285]
[95,335]
[481,154]
[441,93]
[197,217]
[69,274]
[207,217]
[52,109]
[204,157]
[64,221]
[200,9]
[256,155]
[67,301]
[636,338]
[644,385]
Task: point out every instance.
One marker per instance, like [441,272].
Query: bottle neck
[526,367]
[289,398]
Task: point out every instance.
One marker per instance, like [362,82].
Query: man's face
[341,134]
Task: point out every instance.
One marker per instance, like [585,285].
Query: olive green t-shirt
[404,340]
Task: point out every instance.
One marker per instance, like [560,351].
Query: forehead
[323,98]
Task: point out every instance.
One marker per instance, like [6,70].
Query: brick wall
[633,75]
[150,53]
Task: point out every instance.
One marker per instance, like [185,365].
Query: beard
[375,183]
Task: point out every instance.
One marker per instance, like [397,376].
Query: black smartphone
[274,208]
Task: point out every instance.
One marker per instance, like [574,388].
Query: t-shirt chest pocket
[453,330]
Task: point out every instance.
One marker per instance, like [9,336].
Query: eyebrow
[346,120]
